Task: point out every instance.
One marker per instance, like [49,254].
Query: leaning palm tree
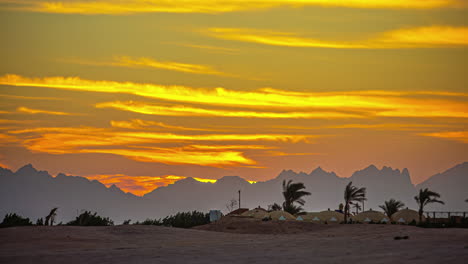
[353,194]
[51,217]
[392,206]
[424,198]
[293,193]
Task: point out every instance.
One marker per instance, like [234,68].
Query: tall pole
[239,200]
[363,206]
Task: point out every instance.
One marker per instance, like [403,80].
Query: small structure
[331,217]
[215,215]
[370,216]
[312,217]
[281,215]
[406,216]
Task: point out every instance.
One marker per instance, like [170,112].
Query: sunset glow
[142,94]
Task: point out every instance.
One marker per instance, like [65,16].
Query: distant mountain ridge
[33,193]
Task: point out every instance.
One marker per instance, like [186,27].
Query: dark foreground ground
[152,244]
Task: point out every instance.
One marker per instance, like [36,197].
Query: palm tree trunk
[346,213]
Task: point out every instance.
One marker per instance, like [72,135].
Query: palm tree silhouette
[353,194]
[424,198]
[51,217]
[392,206]
[292,194]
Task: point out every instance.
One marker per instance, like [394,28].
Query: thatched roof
[239,211]
[331,217]
[406,216]
[281,215]
[256,213]
[371,216]
[312,217]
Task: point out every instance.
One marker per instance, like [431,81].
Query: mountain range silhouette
[33,193]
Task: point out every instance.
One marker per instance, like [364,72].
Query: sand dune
[152,244]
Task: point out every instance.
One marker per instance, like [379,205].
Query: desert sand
[280,242]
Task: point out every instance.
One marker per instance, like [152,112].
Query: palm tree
[392,206]
[292,194]
[357,206]
[424,198]
[51,217]
[274,207]
[353,194]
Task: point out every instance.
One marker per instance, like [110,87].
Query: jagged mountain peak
[26,169]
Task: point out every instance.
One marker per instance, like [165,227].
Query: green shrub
[89,219]
[15,220]
[150,222]
[181,220]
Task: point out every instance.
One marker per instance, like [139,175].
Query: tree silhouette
[89,219]
[15,220]
[51,217]
[293,193]
[353,194]
[274,207]
[392,206]
[424,198]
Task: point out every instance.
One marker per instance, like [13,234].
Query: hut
[281,215]
[258,213]
[312,217]
[371,216]
[238,212]
[329,217]
[406,216]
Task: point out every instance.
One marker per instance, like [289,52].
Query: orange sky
[135,92]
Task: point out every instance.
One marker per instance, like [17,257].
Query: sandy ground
[152,244]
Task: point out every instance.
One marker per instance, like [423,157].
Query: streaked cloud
[27,110]
[461,136]
[213,49]
[146,146]
[373,103]
[144,62]
[206,6]
[418,37]
[149,109]
[139,124]
[21,97]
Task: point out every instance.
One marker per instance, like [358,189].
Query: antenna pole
[239,199]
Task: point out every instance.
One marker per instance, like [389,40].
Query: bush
[150,222]
[15,220]
[89,219]
[40,222]
[181,220]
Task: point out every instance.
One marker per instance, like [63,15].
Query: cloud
[149,109]
[27,110]
[373,103]
[145,146]
[213,49]
[118,7]
[143,62]
[419,37]
[10,96]
[461,136]
[138,124]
